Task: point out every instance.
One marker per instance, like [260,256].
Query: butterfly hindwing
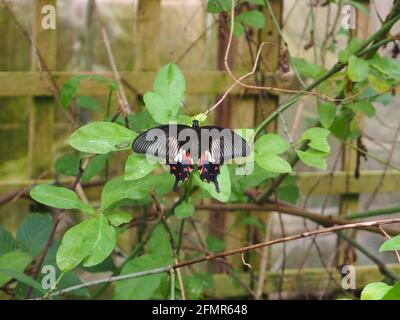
[209,170]
[181,168]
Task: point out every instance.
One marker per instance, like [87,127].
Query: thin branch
[388,237]
[299,212]
[126,109]
[385,169]
[224,254]
[56,221]
[171,241]
[238,81]
[43,68]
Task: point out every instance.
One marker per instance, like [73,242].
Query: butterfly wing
[223,145]
[162,142]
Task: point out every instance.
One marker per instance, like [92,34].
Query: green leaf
[259,2]
[354,45]
[22,277]
[380,84]
[326,114]
[34,232]
[271,143]
[393,293]
[138,167]
[254,178]
[224,181]
[253,18]
[340,127]
[141,121]
[184,210]
[313,158]
[358,69]
[101,137]
[118,218]
[141,288]
[165,101]
[238,29]
[318,139]
[119,189]
[159,243]
[388,66]
[92,240]
[59,197]
[170,82]
[7,242]
[288,194]
[161,108]
[218,6]
[391,244]
[76,244]
[67,164]
[70,89]
[307,69]
[273,163]
[288,190]
[365,107]
[94,167]
[103,244]
[69,279]
[214,244]
[16,261]
[105,266]
[375,291]
[88,103]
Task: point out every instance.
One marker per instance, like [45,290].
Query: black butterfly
[181,146]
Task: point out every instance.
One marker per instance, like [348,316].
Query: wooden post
[147,35]
[245,112]
[265,105]
[41,109]
[349,202]
[13,130]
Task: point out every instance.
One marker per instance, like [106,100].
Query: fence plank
[309,280]
[198,82]
[307,181]
[41,121]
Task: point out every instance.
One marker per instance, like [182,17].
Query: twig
[171,241]
[321,219]
[56,221]
[253,70]
[43,68]
[126,109]
[385,169]
[223,254]
[263,264]
[387,236]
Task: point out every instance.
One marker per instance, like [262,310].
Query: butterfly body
[182,146]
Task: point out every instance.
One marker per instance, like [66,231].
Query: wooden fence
[238,111]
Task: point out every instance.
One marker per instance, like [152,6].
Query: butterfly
[183,146]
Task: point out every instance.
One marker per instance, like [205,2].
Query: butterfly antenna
[187,108]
